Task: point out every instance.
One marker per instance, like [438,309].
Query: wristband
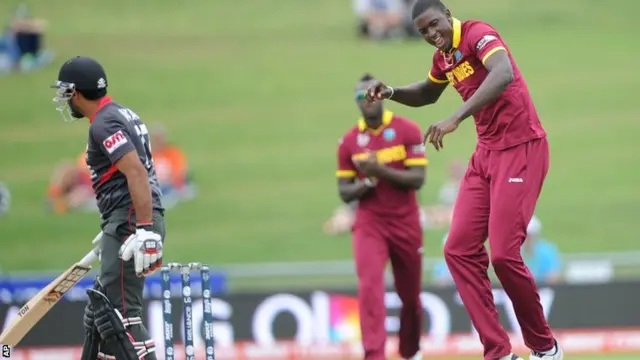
[147,225]
[392,91]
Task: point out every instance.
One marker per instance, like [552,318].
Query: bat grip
[88,259]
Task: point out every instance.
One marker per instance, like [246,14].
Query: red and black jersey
[115,131]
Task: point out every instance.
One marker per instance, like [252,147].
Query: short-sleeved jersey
[512,118]
[397,144]
[114,132]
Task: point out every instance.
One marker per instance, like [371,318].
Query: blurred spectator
[383,19]
[440,273]
[541,256]
[9,52]
[70,187]
[5,199]
[172,169]
[449,190]
[440,214]
[21,45]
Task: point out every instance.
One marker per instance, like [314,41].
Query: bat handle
[88,259]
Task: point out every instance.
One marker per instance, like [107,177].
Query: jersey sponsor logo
[362,140]
[484,41]
[460,72]
[387,155]
[418,149]
[113,142]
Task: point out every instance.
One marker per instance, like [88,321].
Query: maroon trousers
[497,199]
[376,241]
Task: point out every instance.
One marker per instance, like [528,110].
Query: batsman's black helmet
[79,74]
[84,73]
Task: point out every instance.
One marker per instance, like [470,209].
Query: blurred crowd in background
[384,19]
[22,46]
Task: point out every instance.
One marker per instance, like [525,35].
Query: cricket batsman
[503,180]
[382,163]
[128,195]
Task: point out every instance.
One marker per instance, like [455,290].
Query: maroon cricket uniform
[498,193]
[387,227]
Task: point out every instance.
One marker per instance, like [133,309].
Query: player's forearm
[353,191]
[494,85]
[404,178]
[415,95]
[140,191]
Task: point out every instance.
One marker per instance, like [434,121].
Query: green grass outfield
[259,92]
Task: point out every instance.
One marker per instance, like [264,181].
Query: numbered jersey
[114,132]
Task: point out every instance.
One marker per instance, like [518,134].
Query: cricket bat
[46,299]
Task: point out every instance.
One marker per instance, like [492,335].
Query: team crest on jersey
[418,149]
[485,39]
[389,134]
[458,55]
[363,140]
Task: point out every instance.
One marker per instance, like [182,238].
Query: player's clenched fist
[378,91]
[145,247]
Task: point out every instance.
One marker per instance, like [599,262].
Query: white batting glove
[145,247]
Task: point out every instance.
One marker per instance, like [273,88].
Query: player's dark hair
[420,6]
[366,77]
[96,94]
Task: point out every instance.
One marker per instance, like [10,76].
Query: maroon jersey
[397,144]
[509,120]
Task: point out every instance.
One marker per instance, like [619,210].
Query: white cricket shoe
[557,355]
[417,356]
[512,357]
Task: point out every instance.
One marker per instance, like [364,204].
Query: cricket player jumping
[128,196]
[504,178]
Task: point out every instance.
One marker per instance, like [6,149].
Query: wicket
[185,273]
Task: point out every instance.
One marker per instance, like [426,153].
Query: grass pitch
[259,92]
